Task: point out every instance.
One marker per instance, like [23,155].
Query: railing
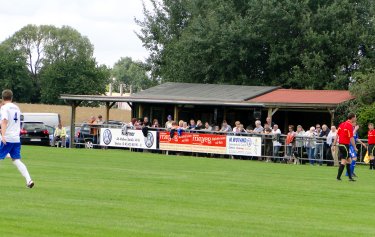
[303,149]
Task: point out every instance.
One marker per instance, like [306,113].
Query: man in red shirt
[344,138]
[371,145]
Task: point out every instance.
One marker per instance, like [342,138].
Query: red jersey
[345,132]
[371,137]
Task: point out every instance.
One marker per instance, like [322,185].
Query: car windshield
[33,126]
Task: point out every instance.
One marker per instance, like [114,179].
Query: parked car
[34,133]
[49,119]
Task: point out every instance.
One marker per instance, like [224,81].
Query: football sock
[371,164]
[352,166]
[341,169]
[22,169]
[348,170]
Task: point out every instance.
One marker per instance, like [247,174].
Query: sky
[108,24]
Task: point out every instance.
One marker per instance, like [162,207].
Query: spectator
[192,124]
[185,126]
[299,142]
[59,135]
[146,122]
[236,129]
[311,144]
[242,129]
[290,142]
[249,129]
[155,123]
[216,128]
[93,128]
[168,124]
[268,151]
[207,127]
[323,136]
[318,155]
[225,127]
[258,127]
[199,125]
[334,152]
[100,120]
[132,123]
[276,141]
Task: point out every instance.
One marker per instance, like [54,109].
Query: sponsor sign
[193,142]
[117,137]
[244,146]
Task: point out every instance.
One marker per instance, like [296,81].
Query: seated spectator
[59,135]
[225,127]
[155,123]
[258,127]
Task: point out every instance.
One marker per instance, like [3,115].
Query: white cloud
[108,24]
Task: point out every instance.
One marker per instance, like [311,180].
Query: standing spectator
[225,127]
[371,144]
[318,155]
[192,124]
[155,123]
[59,135]
[236,129]
[299,142]
[146,122]
[323,136]
[276,141]
[330,138]
[216,128]
[268,151]
[185,126]
[168,124]
[290,142]
[311,144]
[258,127]
[242,129]
[207,127]
[199,125]
[100,120]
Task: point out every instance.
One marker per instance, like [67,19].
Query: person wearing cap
[168,124]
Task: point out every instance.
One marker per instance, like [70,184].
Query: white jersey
[12,114]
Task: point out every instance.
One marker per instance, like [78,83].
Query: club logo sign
[107,136]
[149,140]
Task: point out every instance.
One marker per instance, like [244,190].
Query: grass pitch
[118,193]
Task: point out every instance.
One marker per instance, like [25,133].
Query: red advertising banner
[193,142]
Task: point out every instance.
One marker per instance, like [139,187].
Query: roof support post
[272,111]
[332,113]
[140,111]
[108,106]
[74,105]
[175,115]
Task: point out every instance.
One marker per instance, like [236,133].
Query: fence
[232,145]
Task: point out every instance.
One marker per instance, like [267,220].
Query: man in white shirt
[276,142]
[10,135]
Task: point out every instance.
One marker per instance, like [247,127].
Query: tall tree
[299,44]
[126,71]
[60,60]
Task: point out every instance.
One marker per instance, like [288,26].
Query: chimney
[121,89]
[131,89]
[110,89]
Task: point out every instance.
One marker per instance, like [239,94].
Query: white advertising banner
[244,146]
[117,137]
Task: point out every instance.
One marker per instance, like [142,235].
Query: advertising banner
[193,142]
[244,146]
[117,137]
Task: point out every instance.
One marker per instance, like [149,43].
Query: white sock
[22,169]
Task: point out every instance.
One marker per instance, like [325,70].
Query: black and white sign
[115,137]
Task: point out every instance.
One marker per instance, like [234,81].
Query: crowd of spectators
[313,145]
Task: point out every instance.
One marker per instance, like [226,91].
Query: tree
[298,44]
[14,74]
[126,71]
[60,60]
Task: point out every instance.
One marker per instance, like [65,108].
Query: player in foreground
[10,135]
[344,138]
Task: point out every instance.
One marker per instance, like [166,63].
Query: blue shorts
[14,150]
[352,152]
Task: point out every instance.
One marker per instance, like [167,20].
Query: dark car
[34,133]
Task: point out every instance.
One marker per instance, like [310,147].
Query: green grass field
[117,193]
